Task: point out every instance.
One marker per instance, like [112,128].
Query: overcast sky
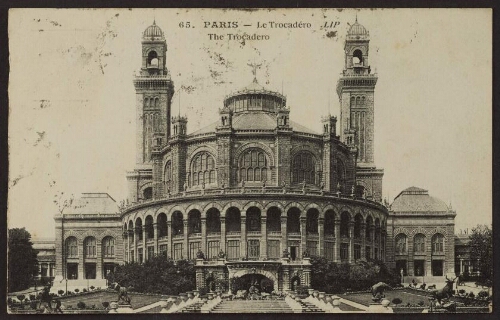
[72,100]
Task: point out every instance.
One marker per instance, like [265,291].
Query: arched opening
[293,220]
[377,230]
[253,282]
[161,225]
[108,247]
[253,165]
[147,193]
[360,191]
[358,220]
[369,228]
[330,223]
[177,223]
[273,222]
[401,244]
[194,221]
[312,221]
[213,221]
[419,254]
[202,169]
[90,251]
[357,57]
[138,228]
[153,59]
[253,219]
[304,168]
[344,224]
[149,227]
[341,177]
[233,220]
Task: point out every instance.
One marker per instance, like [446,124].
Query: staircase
[308,307]
[194,308]
[252,306]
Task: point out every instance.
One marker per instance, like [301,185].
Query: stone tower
[154,90]
[356,89]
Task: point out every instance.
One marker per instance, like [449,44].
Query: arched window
[369,228]
[357,57]
[358,220]
[401,244]
[293,220]
[253,165]
[438,243]
[330,222]
[213,220]
[138,228]
[233,220]
[194,220]
[89,246]
[153,59]
[168,176]
[419,243]
[147,193]
[303,168]
[273,222]
[177,223]
[312,221]
[108,247]
[203,169]
[253,219]
[71,247]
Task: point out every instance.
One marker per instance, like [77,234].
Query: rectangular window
[193,249]
[163,249]
[357,252]
[312,248]
[151,252]
[273,249]
[330,250]
[213,250]
[177,251]
[139,251]
[253,249]
[344,251]
[233,249]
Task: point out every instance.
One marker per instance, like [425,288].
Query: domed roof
[417,200]
[153,32]
[357,30]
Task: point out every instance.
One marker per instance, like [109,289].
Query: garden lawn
[406,295]
[97,298]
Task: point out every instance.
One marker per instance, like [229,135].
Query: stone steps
[253,306]
[310,308]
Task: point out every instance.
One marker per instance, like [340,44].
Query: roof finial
[254,67]
[356,17]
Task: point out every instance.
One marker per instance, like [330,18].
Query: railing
[233,233]
[254,233]
[292,234]
[249,190]
[274,233]
[195,234]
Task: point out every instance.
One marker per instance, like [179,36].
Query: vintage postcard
[250,160]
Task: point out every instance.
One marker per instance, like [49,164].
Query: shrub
[92,287]
[81,305]
[420,303]
[77,290]
[84,290]
[32,297]
[105,304]
[461,291]
[21,297]
[483,294]
[397,301]
[61,292]
[69,293]
[471,295]
[33,304]
[26,300]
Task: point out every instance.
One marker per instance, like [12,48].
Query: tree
[22,260]
[481,246]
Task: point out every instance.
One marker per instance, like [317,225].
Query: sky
[72,100]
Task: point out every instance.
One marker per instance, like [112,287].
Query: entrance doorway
[72,271]
[418,268]
[257,281]
[295,282]
[90,271]
[437,268]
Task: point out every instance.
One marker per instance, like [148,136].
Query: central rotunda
[254,193]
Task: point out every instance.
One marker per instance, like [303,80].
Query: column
[98,268]
[155,237]
[321,240]
[263,238]
[80,261]
[185,249]
[410,264]
[461,271]
[136,240]
[243,243]
[337,240]
[203,243]
[169,239]
[144,245]
[125,246]
[363,241]
[223,234]
[351,242]
[303,236]
[284,240]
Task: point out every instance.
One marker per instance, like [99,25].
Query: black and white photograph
[250,161]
